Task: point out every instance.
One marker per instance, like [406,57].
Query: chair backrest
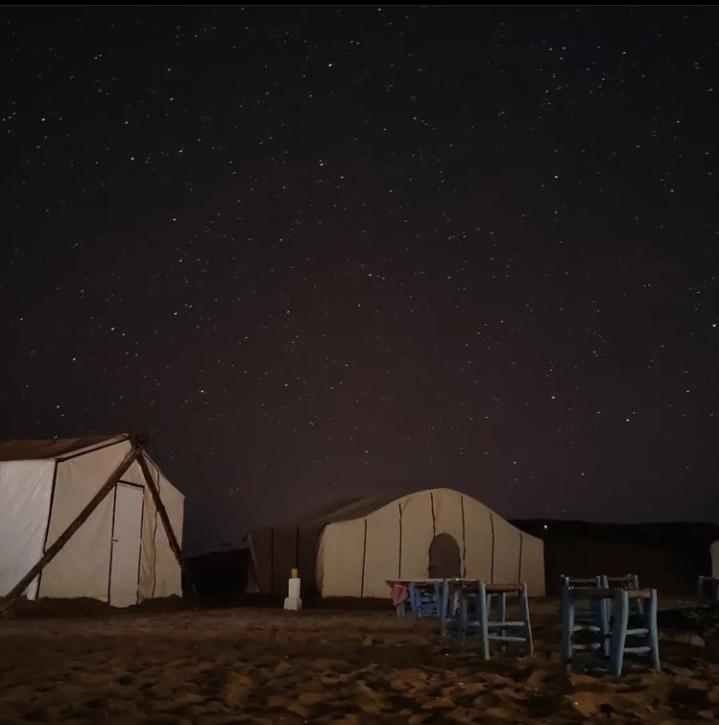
[628,581]
[576,581]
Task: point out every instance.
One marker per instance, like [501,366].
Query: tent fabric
[33,450]
[352,550]
[714,553]
[46,495]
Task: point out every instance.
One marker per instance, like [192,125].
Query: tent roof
[49,448]
[356,508]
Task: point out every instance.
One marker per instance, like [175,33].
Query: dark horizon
[325,252]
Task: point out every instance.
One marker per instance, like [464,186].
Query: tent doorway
[444,558]
[125,545]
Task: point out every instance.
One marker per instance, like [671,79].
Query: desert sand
[262,665]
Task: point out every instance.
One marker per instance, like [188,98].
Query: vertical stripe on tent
[139,555]
[399,568]
[154,539]
[364,558]
[464,541]
[434,521]
[521,546]
[47,527]
[154,557]
[491,575]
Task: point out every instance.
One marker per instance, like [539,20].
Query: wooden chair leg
[524,603]
[503,616]
[567,625]
[482,604]
[463,619]
[619,634]
[650,610]
[443,606]
[604,611]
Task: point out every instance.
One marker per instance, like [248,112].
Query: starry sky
[328,252]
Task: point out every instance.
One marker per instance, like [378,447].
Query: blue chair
[584,610]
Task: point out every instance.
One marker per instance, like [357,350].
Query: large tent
[352,549]
[87,517]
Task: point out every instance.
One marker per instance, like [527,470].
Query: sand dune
[267,666]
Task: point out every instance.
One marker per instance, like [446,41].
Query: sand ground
[251,665]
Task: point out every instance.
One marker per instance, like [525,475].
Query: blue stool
[612,643]
[590,617]
[645,630]
[504,630]
[425,598]
[581,614]
[475,611]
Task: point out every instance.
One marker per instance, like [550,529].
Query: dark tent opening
[444,558]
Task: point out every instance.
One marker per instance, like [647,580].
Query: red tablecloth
[398,591]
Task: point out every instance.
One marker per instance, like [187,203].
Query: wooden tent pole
[79,520]
[160,506]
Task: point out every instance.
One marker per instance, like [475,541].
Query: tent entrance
[444,558]
[125,545]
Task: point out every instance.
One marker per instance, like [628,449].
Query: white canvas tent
[87,517]
[352,549]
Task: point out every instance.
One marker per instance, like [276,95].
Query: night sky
[328,252]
